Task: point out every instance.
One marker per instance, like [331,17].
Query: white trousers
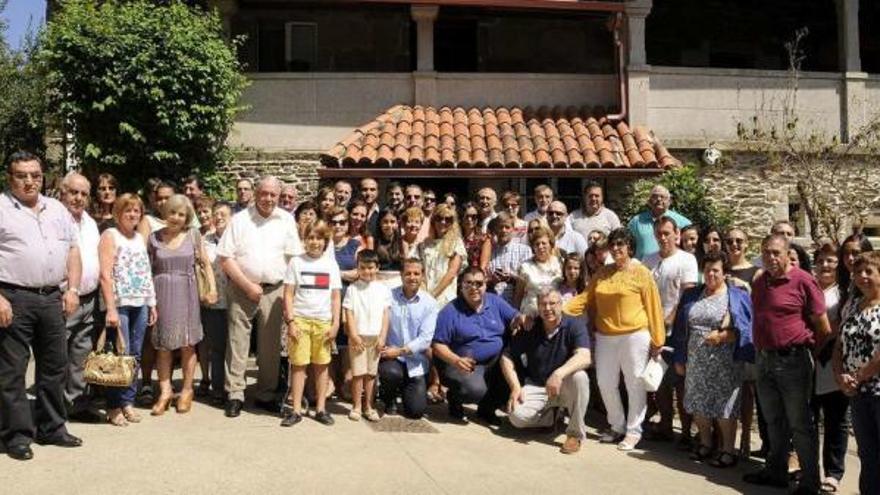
[628,354]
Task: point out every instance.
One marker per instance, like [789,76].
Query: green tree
[22,105]
[690,197]
[144,89]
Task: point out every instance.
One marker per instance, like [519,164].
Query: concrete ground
[205,452]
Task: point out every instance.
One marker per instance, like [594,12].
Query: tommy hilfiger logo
[315,280]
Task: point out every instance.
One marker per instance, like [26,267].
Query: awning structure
[504,142]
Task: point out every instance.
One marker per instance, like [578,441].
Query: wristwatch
[74,290]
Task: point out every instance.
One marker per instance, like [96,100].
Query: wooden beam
[485,173]
[571,5]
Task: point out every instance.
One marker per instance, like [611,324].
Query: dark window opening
[748,34]
[475,40]
[869,23]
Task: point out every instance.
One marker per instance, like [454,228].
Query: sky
[18,14]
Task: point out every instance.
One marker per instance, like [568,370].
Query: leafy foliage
[22,106]
[146,89]
[690,197]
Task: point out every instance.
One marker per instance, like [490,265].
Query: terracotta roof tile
[514,137]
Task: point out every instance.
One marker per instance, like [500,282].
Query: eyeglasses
[338,222]
[512,205]
[474,284]
[430,199]
[445,219]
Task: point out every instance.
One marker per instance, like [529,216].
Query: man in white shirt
[253,253]
[567,240]
[486,201]
[543,198]
[592,214]
[674,270]
[80,326]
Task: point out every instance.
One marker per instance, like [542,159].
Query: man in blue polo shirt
[642,225]
[552,358]
[470,335]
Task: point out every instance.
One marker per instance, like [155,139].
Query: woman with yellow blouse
[623,302]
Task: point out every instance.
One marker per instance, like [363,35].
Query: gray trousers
[536,409]
[269,319]
[81,335]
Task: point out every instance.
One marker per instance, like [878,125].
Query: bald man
[254,252]
[642,225]
[80,326]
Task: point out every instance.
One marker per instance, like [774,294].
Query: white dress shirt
[261,245]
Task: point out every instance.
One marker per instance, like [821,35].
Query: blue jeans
[866,423]
[133,324]
[785,387]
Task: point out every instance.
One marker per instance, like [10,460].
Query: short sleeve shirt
[260,245]
[313,279]
[783,307]
[642,228]
[477,334]
[670,273]
[604,220]
[540,355]
[860,341]
[368,302]
[35,243]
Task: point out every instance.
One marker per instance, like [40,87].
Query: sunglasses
[430,199]
[447,219]
[338,222]
[555,214]
[618,244]
[412,196]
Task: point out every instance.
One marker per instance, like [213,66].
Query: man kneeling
[552,357]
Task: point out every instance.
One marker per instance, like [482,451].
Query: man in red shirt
[789,322]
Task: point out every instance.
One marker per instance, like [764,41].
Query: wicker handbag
[204,281]
[108,369]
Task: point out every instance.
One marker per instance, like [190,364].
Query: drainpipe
[619,58]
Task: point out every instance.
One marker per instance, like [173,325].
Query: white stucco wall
[707,104]
[311,112]
[526,90]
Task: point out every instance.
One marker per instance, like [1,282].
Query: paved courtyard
[205,452]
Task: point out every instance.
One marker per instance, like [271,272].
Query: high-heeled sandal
[184,402]
[162,404]
[131,415]
[116,418]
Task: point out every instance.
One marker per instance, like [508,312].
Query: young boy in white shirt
[367,306]
[312,288]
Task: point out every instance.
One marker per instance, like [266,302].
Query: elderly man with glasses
[468,340]
[567,239]
[642,225]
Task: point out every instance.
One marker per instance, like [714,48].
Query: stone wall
[297,168]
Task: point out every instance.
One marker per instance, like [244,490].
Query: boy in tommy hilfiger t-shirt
[312,288]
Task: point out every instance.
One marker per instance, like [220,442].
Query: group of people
[429,298]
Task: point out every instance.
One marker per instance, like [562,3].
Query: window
[300,46]
[748,34]
[474,40]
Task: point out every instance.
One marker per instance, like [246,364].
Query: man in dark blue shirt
[470,335]
[552,358]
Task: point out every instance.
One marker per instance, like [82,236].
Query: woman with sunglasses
[624,306]
[442,254]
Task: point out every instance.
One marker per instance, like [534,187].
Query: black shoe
[760,453]
[20,452]
[86,416]
[391,408]
[63,439]
[324,418]
[233,408]
[268,405]
[456,412]
[764,478]
[489,417]
[802,490]
[218,400]
[290,417]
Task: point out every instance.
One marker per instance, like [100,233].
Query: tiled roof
[425,137]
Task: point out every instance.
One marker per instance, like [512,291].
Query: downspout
[619,58]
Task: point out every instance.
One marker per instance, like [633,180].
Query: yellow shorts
[311,347]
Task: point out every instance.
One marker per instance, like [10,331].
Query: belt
[785,351]
[42,291]
[270,285]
